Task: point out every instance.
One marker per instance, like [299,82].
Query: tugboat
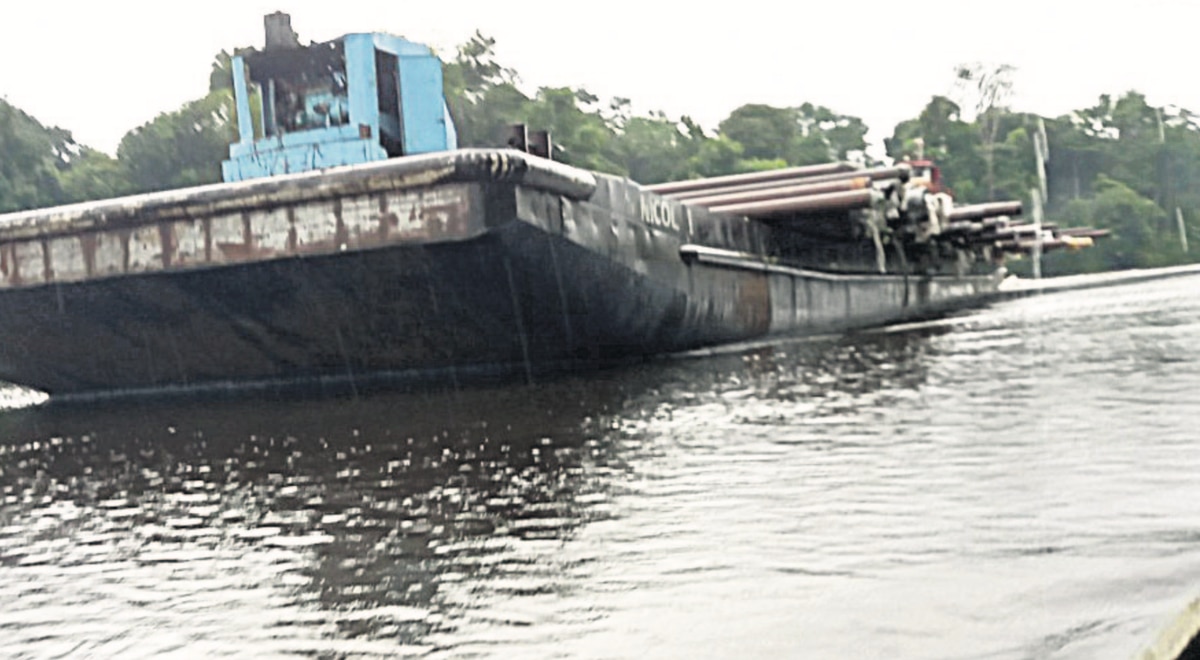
[352,241]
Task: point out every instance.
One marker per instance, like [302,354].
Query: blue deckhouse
[360,98]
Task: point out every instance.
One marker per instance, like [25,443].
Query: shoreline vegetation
[1121,164]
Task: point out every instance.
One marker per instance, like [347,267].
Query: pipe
[749,177]
[1027,246]
[1013,230]
[830,202]
[1085,232]
[963,227]
[876,174]
[782,191]
[977,211]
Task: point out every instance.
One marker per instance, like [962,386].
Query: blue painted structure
[360,98]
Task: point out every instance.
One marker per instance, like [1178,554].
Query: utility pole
[1041,147]
[1035,196]
[1182,229]
[1038,195]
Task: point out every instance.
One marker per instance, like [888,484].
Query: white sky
[102,67]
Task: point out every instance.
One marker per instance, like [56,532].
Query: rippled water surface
[1020,482]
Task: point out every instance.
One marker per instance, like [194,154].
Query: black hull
[540,280]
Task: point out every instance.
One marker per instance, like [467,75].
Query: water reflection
[343,519]
[393,523]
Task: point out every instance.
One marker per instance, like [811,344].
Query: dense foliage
[485,100]
[31,160]
[1123,164]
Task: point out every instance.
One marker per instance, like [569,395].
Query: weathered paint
[443,213]
[415,172]
[418,118]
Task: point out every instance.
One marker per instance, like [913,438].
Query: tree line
[1122,164]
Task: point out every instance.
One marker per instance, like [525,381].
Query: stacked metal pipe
[674,188]
[991,225]
[834,187]
[794,195]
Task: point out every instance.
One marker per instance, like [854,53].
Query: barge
[352,240]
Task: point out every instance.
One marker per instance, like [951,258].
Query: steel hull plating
[466,263]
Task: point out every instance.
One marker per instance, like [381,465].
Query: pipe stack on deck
[991,225]
[796,194]
[829,188]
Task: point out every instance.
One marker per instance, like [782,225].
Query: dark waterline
[1014,483]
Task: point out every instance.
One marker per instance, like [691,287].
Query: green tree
[717,156]
[940,134]
[1139,237]
[826,135]
[804,135]
[482,95]
[31,156]
[181,148]
[221,75]
[94,175]
[765,132]
[653,149]
[1153,152]
[582,135]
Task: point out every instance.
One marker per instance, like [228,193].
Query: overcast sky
[100,68]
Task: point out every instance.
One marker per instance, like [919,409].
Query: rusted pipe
[1026,244]
[978,211]
[781,192]
[749,177]
[827,203]
[1085,232]
[900,172]
[1012,230]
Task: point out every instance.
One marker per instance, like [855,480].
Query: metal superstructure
[356,99]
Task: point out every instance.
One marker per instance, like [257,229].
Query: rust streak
[166,238]
[87,245]
[208,242]
[753,303]
[16,264]
[47,266]
[236,252]
[124,236]
[247,233]
[341,236]
[387,219]
[293,239]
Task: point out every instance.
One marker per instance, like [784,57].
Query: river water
[1022,481]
